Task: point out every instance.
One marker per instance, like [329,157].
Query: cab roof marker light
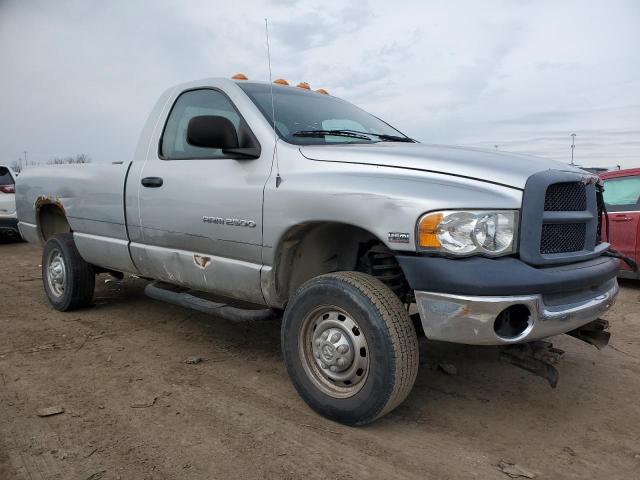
[304,85]
[322,91]
[281,81]
[239,76]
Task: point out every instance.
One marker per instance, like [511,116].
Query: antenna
[273,108]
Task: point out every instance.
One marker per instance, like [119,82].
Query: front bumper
[464,300]
[472,320]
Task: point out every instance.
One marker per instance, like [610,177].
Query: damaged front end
[540,357]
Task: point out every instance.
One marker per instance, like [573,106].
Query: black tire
[392,346]
[76,288]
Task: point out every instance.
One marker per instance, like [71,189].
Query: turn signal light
[240,76]
[281,81]
[304,85]
[427,230]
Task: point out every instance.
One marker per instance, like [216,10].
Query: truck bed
[92,197]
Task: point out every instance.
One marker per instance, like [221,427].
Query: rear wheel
[349,347]
[68,280]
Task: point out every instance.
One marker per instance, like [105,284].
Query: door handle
[151,182]
[621,218]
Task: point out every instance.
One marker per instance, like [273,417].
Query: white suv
[8,217]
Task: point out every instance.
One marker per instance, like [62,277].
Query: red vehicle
[622,199]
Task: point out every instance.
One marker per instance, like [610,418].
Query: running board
[187,300]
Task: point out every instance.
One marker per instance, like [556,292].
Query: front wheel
[350,347]
[68,280]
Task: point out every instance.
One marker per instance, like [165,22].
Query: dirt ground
[133,409]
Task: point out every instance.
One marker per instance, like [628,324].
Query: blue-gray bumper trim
[503,276]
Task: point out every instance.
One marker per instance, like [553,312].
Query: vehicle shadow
[6,239]
[628,283]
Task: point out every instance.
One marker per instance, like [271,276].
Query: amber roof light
[304,85]
[281,81]
[240,76]
[322,91]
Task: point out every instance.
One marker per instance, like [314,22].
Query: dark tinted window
[297,109]
[188,105]
[622,194]
[5,176]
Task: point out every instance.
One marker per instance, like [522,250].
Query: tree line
[18,165]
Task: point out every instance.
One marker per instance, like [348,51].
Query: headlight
[469,232]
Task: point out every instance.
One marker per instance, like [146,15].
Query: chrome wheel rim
[56,273]
[334,352]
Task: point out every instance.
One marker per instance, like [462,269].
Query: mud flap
[537,357]
[593,333]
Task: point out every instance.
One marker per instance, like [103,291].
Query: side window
[622,194]
[191,104]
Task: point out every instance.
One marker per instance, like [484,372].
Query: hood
[501,168]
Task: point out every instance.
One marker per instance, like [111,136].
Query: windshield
[311,118]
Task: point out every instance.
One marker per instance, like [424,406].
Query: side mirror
[212,131]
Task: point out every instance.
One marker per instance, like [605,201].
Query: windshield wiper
[393,138]
[384,137]
[338,133]
[353,134]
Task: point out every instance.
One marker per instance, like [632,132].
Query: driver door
[201,211]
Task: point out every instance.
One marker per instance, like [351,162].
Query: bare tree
[16,165]
[80,158]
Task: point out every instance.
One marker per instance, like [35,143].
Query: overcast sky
[81,76]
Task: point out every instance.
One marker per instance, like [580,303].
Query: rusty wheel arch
[51,218]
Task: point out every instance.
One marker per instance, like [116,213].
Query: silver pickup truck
[248,197]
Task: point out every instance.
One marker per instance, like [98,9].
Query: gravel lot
[133,409]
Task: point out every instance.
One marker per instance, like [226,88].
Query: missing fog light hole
[512,322]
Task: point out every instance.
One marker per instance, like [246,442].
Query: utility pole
[496,147]
[573,146]
[25,158]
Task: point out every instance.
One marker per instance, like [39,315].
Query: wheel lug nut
[333,368]
[341,362]
[335,337]
[325,335]
[317,354]
[318,342]
[342,349]
[323,365]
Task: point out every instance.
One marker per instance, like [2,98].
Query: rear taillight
[7,189]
